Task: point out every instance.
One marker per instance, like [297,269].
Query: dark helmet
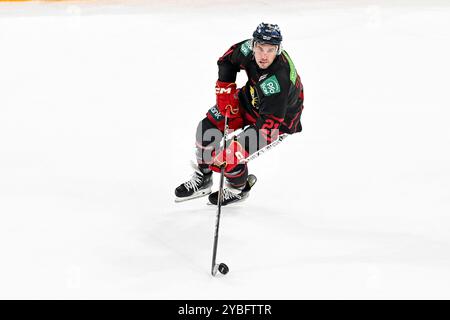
[267,33]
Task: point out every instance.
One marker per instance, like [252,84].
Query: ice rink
[99,101]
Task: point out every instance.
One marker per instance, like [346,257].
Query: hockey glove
[226,99]
[229,158]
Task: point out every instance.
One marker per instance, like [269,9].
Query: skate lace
[229,195]
[195,182]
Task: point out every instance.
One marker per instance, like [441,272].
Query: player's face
[264,54]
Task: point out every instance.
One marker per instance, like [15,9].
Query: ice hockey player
[270,103]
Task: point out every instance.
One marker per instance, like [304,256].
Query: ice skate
[233,195]
[198,186]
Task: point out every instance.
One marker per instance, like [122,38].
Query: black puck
[223,268]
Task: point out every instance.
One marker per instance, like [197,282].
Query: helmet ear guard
[280,49]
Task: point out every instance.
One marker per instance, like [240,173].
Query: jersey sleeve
[234,60]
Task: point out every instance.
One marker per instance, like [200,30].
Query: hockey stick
[255,155]
[222,267]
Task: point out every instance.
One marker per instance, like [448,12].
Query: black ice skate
[232,195]
[198,186]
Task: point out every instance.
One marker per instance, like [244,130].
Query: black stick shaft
[219,203]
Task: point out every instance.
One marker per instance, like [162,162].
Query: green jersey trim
[293,71]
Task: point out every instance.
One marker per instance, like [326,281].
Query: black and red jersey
[273,96]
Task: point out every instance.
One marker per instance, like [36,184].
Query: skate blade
[194,196]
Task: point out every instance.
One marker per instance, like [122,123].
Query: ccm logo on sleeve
[223,90]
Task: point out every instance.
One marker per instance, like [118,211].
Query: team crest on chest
[254,95]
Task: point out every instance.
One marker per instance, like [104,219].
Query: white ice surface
[98,107]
